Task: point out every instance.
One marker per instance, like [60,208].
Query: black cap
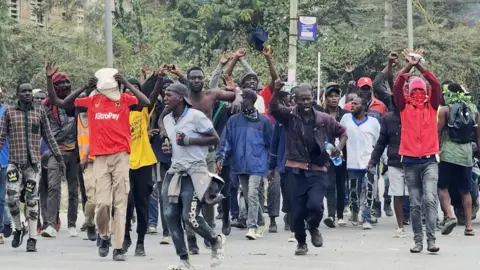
[332,87]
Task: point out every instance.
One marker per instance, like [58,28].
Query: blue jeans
[422,182]
[4,215]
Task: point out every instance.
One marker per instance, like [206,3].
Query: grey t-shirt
[194,124]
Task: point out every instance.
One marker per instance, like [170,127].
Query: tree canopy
[196,32]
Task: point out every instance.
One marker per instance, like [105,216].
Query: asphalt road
[344,248]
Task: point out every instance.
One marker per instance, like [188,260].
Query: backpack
[461,123]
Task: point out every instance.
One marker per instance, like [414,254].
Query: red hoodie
[266,94]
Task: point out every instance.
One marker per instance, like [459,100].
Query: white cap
[106,84]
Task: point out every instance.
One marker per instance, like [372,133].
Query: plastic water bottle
[337,161]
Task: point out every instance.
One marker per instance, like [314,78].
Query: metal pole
[292,42]
[319,78]
[108,32]
[410,23]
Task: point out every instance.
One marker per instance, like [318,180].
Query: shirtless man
[202,101]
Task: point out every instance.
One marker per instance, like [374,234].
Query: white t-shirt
[362,138]
[341,102]
[194,124]
[260,104]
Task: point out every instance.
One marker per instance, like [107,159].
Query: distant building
[30,11]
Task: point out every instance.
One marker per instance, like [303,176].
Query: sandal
[449,225]
[469,232]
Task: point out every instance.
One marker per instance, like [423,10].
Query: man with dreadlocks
[63,125]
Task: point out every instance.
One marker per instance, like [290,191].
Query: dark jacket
[156,140]
[326,129]
[63,125]
[389,136]
[277,149]
[382,89]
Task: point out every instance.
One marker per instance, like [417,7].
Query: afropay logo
[107,116]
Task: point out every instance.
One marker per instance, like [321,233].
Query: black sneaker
[84,227]
[91,233]
[387,208]
[104,247]
[226,227]
[242,224]
[139,250]
[119,255]
[286,220]
[302,249]
[219,216]
[207,244]
[18,236]
[317,239]
[32,245]
[127,242]
[272,228]
[192,245]
[406,221]
[234,223]
[7,230]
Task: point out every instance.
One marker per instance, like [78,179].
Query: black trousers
[336,191]
[225,175]
[83,191]
[141,186]
[307,189]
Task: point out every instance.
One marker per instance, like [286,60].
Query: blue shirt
[4,152]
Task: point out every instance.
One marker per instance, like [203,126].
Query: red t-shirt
[108,123]
[266,94]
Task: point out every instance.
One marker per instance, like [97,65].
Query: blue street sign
[307,28]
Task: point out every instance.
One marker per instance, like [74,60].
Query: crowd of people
[163,145]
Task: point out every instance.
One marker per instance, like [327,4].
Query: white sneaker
[218,251]
[49,232]
[72,231]
[152,229]
[342,223]
[346,211]
[259,232]
[292,239]
[399,233]
[166,240]
[182,265]
[367,226]
[251,234]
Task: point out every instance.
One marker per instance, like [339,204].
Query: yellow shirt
[141,154]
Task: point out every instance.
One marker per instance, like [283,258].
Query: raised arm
[215,78]
[435,94]
[279,111]
[142,99]
[267,52]
[236,56]
[50,70]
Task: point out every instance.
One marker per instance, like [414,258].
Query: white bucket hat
[106,84]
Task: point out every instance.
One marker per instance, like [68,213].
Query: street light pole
[410,23]
[292,42]
[108,32]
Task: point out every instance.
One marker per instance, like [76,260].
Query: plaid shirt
[24,129]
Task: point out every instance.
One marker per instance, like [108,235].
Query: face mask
[418,98]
